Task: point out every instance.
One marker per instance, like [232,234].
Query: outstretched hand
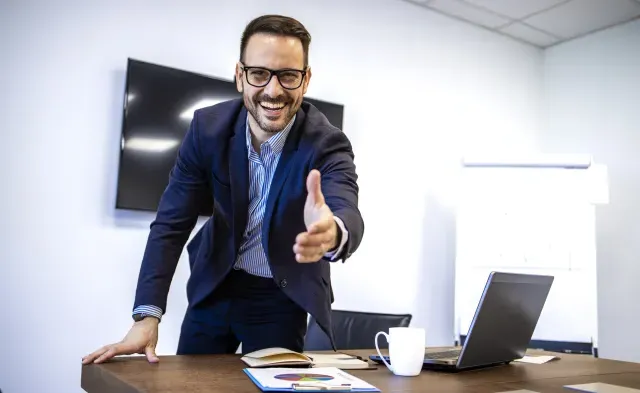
[322,231]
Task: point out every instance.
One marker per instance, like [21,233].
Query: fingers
[150,352]
[311,247]
[310,255]
[102,354]
[307,239]
[313,187]
[94,355]
[107,352]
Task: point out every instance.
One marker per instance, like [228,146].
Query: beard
[268,123]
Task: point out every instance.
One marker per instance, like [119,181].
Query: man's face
[272,106]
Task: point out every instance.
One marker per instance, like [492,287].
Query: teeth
[272,105]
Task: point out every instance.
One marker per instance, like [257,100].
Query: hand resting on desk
[142,338]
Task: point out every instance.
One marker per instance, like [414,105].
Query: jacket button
[283,283]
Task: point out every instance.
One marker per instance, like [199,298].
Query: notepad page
[337,360]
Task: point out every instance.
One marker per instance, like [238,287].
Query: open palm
[321,232]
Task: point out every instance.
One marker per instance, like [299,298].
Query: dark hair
[278,25]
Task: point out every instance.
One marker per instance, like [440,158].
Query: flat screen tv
[159,102]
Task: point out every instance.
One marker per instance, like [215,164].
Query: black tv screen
[159,102]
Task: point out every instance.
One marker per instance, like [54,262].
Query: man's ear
[238,77]
[307,77]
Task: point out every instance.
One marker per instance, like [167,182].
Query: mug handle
[378,349]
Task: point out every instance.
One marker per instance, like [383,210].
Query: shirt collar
[276,141]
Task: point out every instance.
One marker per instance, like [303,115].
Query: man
[285,207]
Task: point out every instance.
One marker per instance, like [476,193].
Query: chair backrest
[353,330]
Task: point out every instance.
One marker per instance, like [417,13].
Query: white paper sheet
[599,387]
[536,359]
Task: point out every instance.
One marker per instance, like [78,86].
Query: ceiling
[542,23]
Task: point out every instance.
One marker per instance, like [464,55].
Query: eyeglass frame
[272,73]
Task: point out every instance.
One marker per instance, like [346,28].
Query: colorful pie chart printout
[320,378]
[304,377]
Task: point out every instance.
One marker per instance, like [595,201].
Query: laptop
[502,326]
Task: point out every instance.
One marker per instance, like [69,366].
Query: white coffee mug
[406,350]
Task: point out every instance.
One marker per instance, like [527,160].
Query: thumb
[151,354]
[313,188]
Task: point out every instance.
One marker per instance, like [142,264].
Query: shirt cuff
[343,240]
[154,311]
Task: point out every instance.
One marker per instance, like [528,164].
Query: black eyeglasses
[289,78]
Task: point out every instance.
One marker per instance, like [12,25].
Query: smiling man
[285,194]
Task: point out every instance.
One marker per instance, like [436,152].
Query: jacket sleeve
[335,161]
[187,190]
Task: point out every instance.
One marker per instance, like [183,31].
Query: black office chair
[353,330]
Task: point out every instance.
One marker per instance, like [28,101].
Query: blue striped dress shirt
[262,166]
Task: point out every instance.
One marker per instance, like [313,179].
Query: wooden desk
[223,373]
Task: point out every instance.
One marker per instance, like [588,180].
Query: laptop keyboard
[454,353]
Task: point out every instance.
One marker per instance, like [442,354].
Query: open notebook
[281,357]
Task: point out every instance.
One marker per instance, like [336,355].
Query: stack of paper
[536,359]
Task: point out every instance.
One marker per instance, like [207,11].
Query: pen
[319,386]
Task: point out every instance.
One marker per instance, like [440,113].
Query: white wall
[535,221]
[592,101]
[418,88]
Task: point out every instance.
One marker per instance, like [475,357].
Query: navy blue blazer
[212,165]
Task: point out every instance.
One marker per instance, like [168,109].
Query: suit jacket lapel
[279,177]
[239,177]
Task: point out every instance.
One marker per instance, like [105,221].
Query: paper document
[519,391]
[315,379]
[338,360]
[600,387]
[536,359]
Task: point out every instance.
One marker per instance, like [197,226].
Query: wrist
[336,237]
[140,317]
[148,319]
